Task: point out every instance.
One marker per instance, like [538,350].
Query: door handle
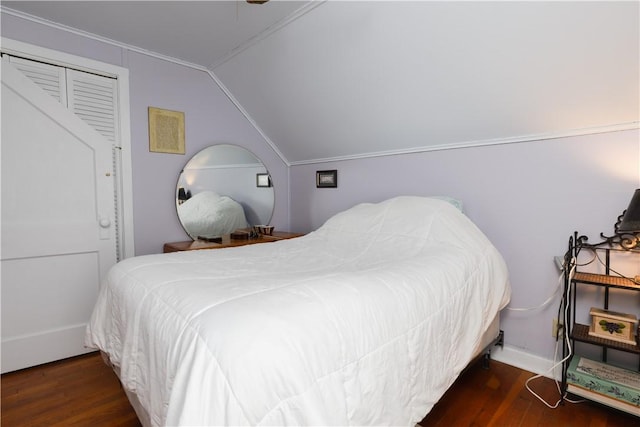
[105,224]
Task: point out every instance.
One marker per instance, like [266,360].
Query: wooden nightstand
[227,242]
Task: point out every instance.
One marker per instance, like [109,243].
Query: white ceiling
[198,32]
[341,79]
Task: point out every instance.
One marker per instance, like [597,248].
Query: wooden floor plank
[509,403]
[83,391]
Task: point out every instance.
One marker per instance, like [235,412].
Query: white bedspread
[366,321]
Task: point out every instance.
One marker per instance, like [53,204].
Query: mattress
[366,321]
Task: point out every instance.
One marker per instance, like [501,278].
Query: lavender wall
[527,197]
[210,118]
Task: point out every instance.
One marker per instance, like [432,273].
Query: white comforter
[367,320]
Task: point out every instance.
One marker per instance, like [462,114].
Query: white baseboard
[43,347]
[529,362]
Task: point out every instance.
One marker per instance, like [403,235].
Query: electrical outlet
[556,328]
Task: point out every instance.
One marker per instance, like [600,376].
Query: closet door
[47,77]
[58,234]
[93,99]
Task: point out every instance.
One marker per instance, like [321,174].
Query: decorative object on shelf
[266,230]
[210,239]
[627,228]
[240,235]
[166,131]
[327,179]
[614,326]
[263,180]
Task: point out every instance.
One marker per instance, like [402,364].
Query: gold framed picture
[166,131]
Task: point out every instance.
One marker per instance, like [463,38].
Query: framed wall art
[327,179]
[166,131]
[263,180]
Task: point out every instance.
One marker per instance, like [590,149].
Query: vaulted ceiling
[335,79]
[198,32]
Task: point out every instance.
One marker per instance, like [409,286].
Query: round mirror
[221,189]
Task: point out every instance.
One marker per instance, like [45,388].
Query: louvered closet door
[93,99]
[58,234]
[47,77]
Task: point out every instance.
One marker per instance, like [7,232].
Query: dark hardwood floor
[83,391]
[497,397]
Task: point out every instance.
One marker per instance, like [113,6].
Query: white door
[58,234]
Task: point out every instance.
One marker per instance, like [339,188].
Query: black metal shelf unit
[578,332]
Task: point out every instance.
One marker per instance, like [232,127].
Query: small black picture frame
[327,179]
[263,180]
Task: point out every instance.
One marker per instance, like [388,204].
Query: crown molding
[246,115]
[479,143]
[303,10]
[279,25]
[106,40]
[156,55]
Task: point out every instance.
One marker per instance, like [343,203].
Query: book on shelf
[604,383]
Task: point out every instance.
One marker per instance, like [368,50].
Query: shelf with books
[609,330]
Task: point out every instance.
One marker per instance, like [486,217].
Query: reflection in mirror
[218,192]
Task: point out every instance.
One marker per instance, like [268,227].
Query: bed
[365,321]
